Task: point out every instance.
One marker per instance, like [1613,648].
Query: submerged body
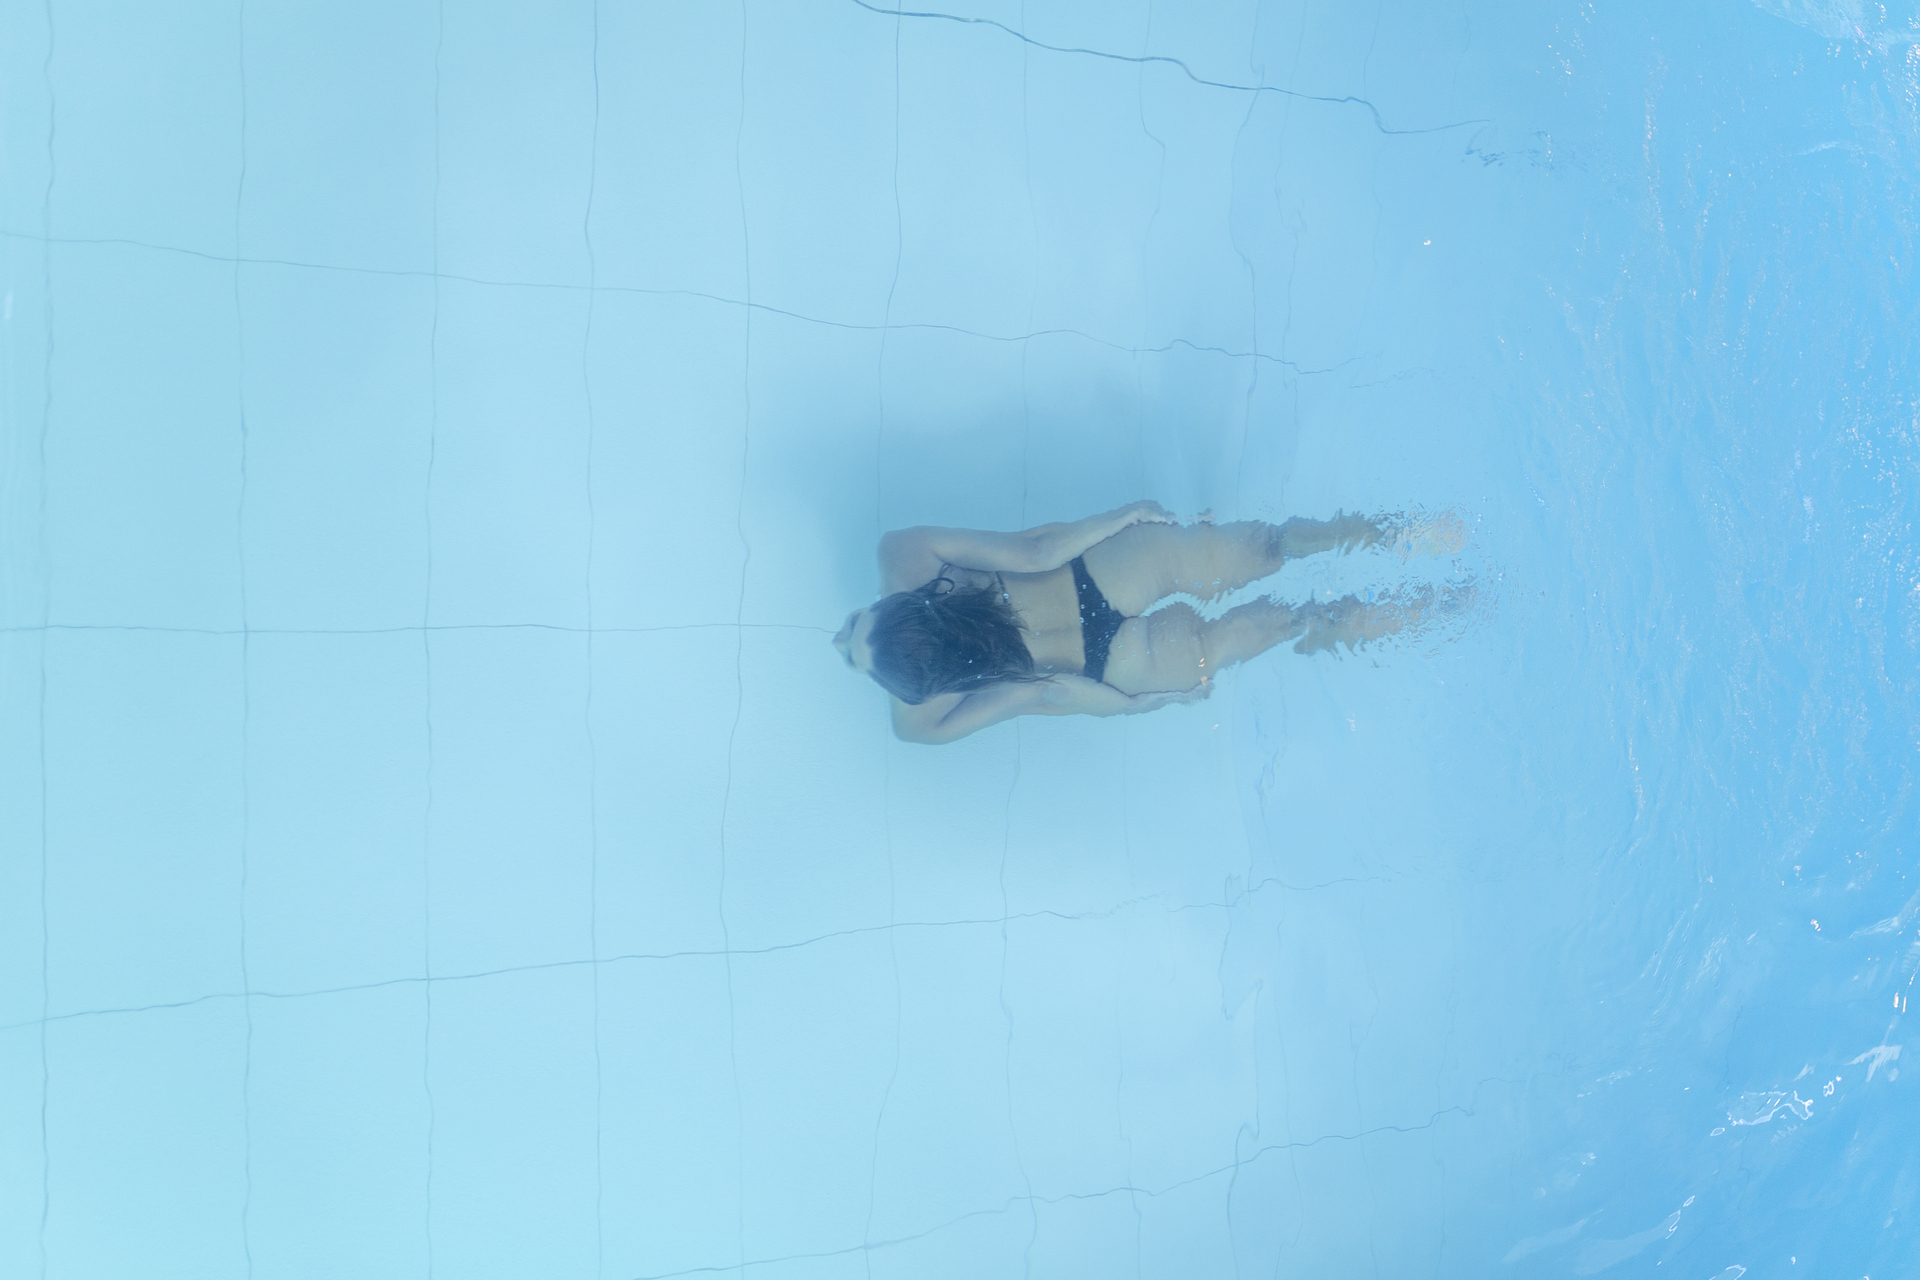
[1079,595]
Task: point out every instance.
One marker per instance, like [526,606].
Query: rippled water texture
[440,840]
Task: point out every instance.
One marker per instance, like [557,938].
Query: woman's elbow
[1041,550]
[919,723]
[926,735]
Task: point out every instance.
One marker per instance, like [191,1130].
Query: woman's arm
[909,557]
[949,717]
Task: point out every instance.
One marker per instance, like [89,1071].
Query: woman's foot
[1353,622]
[1299,536]
[1349,620]
[1443,534]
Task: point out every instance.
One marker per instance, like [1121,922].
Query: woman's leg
[1253,628]
[1248,630]
[1352,621]
[1300,537]
[1145,563]
[1175,648]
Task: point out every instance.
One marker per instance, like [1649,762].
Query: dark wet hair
[939,638]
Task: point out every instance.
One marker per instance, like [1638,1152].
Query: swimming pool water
[440,841]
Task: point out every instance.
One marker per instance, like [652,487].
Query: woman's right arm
[909,557]
[949,717]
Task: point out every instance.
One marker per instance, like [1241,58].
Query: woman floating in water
[981,627]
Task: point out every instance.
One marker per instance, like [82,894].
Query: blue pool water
[440,840]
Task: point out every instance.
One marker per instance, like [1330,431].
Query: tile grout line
[1467,1109]
[1127,730]
[426,657]
[1070,917]
[739,660]
[1253,282]
[1256,90]
[717,299]
[593,749]
[398,631]
[886,756]
[46,612]
[246,665]
[1019,730]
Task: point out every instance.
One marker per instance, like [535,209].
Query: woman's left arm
[909,557]
[950,717]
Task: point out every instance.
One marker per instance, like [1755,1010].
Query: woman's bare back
[1049,612]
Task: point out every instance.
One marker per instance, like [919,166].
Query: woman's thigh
[1160,652]
[1148,562]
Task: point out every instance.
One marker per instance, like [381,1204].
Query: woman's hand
[1065,695]
[1147,511]
[1140,703]
[1077,695]
[909,557]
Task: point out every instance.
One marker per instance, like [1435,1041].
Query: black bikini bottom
[1099,621]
